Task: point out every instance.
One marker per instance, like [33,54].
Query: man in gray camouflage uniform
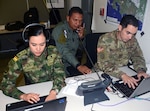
[117,48]
[38,63]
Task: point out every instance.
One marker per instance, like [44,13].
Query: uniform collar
[43,55]
[68,27]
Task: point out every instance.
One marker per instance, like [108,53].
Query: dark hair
[129,20]
[75,10]
[36,30]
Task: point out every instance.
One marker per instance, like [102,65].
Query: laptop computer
[142,88]
[53,105]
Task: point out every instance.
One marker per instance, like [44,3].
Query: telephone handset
[94,85]
[82,25]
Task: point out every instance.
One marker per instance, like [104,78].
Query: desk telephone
[94,85]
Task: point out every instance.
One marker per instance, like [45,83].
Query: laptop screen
[53,105]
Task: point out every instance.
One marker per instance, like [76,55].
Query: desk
[75,103]
[41,88]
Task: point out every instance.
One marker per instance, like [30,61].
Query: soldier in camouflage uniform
[38,63]
[117,48]
[66,35]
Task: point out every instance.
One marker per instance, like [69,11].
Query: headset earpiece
[35,24]
[47,35]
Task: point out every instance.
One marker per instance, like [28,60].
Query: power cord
[111,105]
[92,108]
[90,59]
[53,11]
[146,99]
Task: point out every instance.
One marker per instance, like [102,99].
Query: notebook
[142,88]
[53,105]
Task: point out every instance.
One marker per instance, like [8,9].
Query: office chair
[91,47]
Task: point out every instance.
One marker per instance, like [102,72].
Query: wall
[98,25]
[71,3]
[9,11]
[13,10]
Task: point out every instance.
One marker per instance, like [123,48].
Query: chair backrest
[91,47]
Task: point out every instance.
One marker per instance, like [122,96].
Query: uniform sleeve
[62,46]
[58,74]
[106,60]
[137,57]
[8,84]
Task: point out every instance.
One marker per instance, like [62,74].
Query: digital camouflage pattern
[47,67]
[116,53]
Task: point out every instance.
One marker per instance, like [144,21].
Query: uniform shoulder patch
[15,58]
[62,38]
[21,53]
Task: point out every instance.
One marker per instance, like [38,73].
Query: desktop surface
[76,103]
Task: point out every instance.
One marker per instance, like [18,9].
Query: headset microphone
[31,25]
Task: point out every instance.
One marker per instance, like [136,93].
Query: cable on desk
[138,98]
[116,103]
[146,99]
[92,108]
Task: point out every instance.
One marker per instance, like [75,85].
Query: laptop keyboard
[124,88]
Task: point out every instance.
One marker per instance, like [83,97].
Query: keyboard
[124,88]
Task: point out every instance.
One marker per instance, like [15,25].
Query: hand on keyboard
[130,81]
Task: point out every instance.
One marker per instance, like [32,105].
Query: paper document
[71,87]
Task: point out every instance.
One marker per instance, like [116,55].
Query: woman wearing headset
[38,63]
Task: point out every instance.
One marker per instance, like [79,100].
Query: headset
[47,33]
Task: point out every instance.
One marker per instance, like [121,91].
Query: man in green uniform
[38,63]
[66,35]
[117,48]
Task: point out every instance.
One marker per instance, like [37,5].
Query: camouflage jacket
[117,53]
[67,42]
[47,67]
